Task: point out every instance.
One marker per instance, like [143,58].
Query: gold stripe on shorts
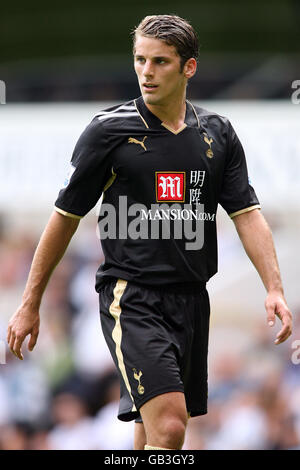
[115,311]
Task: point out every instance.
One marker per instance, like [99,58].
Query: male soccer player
[163,166]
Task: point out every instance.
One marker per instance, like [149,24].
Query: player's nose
[148,70]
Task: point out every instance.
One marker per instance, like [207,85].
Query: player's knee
[172,432]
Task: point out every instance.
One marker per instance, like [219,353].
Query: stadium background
[63,62]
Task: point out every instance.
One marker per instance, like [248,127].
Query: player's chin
[151,99]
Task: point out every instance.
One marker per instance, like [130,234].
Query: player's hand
[25,321]
[276,306]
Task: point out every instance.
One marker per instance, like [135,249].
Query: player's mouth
[150,87]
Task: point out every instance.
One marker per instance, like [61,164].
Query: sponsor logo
[169,218]
[161,213]
[132,140]
[170,186]
[196,181]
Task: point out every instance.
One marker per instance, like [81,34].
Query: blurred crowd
[65,394]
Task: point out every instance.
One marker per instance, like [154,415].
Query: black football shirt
[161,190]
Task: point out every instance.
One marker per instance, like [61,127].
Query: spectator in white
[73,430]
[109,433]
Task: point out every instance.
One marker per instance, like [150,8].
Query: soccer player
[163,166]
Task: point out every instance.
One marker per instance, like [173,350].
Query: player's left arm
[257,240]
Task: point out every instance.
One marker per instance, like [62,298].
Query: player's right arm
[90,170]
[51,248]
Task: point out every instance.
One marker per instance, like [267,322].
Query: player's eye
[160,61]
[141,60]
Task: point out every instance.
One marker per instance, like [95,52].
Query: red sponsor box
[170,186]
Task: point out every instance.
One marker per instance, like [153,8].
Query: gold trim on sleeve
[242,211]
[67,214]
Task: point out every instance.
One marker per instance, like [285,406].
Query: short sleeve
[90,170]
[237,195]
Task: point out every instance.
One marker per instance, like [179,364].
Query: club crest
[137,376]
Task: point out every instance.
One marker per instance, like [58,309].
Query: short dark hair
[172,29]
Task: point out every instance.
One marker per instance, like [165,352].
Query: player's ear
[190,67]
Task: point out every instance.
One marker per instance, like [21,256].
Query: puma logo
[137,377]
[132,140]
[209,152]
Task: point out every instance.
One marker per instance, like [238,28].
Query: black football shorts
[158,339]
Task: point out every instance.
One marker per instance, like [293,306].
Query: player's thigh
[164,409]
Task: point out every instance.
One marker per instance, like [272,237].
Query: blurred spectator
[243,425]
[109,432]
[73,425]
[86,327]
[5,411]
[13,437]
[26,391]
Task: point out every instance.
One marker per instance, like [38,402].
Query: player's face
[157,66]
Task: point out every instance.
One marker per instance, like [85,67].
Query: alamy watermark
[160,221]
[2,352]
[296,94]
[296,354]
[2,92]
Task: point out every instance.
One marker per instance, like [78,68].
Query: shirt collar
[153,122]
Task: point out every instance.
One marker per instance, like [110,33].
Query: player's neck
[172,113]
